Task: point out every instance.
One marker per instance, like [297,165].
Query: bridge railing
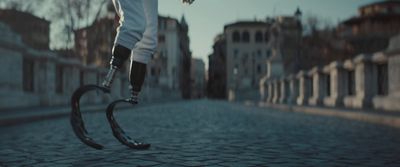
[367,81]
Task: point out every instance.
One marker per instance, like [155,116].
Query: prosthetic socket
[137,71]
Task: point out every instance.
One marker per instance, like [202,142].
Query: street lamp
[298,15]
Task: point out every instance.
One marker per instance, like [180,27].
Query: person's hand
[187,1]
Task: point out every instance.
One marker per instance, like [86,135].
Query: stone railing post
[337,81]
[392,100]
[277,92]
[304,88]
[263,89]
[284,90]
[318,86]
[270,91]
[349,83]
[363,78]
[380,81]
[293,89]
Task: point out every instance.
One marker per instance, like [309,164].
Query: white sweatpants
[138,27]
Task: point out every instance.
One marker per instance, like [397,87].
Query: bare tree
[313,22]
[74,14]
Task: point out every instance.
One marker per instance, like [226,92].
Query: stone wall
[369,81]
[32,78]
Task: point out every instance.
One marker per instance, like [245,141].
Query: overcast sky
[206,18]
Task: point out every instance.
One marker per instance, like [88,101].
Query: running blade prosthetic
[117,130]
[76,120]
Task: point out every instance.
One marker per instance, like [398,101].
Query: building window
[266,36]
[235,53]
[236,69]
[236,36]
[246,37]
[382,79]
[269,53]
[161,38]
[351,86]
[259,37]
[245,58]
[162,25]
[59,79]
[28,75]
[259,69]
[259,53]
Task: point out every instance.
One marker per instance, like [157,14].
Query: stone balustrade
[32,78]
[369,81]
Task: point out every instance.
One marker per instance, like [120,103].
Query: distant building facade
[216,83]
[170,67]
[33,30]
[247,53]
[284,47]
[250,52]
[93,43]
[198,78]
[372,29]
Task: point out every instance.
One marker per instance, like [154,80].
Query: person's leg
[132,26]
[144,49]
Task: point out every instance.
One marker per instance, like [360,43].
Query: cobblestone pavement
[205,133]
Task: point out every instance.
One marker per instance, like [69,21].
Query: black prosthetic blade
[76,120]
[119,133]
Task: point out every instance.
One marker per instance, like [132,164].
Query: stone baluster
[318,86]
[337,81]
[304,88]
[270,91]
[380,81]
[349,83]
[363,77]
[284,90]
[293,89]
[392,102]
[277,91]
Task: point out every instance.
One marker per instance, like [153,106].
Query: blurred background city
[340,55]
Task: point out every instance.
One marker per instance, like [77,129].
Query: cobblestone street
[205,133]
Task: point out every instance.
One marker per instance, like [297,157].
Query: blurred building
[247,53]
[33,30]
[198,74]
[372,29]
[252,51]
[93,43]
[170,67]
[284,47]
[216,83]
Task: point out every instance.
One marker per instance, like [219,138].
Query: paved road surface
[206,133]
